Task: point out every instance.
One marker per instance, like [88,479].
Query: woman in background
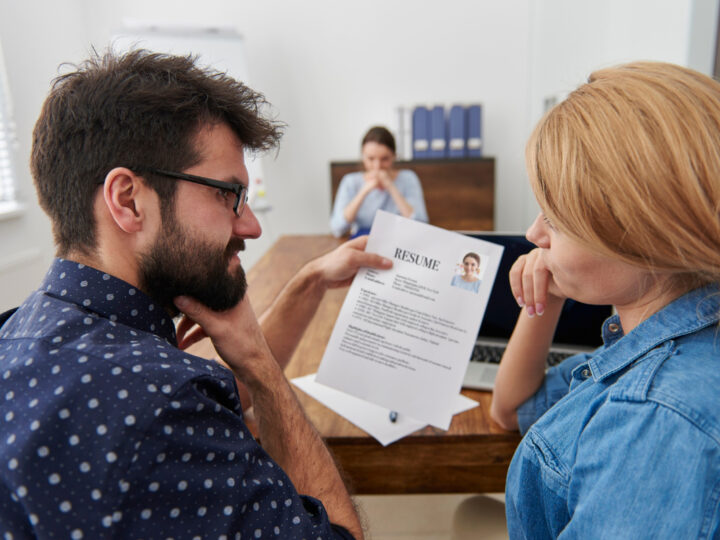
[379,187]
[623,442]
[469,279]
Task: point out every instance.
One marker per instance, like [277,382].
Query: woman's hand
[379,179]
[385,179]
[532,283]
[371,181]
[522,367]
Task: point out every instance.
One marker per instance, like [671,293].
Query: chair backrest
[6,315]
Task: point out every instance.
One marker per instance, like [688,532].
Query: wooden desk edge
[454,465]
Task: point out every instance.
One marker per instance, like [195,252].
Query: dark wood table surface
[471,457]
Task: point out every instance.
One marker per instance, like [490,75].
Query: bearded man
[109,428]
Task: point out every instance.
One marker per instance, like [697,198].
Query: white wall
[703,29]
[36,37]
[331,69]
[572,38]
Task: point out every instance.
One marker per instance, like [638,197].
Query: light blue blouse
[458,281]
[408,185]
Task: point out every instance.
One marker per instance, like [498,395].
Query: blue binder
[474,137]
[421,133]
[438,133]
[457,132]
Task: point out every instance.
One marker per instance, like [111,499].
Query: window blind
[7,139]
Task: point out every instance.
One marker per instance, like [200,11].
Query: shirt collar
[689,313]
[108,296]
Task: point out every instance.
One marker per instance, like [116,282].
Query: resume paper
[404,336]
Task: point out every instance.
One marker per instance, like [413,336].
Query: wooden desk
[471,457]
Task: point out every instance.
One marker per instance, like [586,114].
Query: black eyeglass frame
[240,191]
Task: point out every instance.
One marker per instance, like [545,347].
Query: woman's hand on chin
[532,283]
[385,178]
[372,181]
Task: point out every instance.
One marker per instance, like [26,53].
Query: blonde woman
[624,442]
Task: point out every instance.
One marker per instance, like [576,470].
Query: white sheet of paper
[373,419]
[404,336]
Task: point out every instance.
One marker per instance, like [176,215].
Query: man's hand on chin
[235,340]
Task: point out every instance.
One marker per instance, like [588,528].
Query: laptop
[579,328]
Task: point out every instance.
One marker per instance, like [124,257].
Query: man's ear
[127,198]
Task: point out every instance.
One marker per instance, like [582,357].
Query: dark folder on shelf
[457,132]
[438,135]
[421,133]
[474,137]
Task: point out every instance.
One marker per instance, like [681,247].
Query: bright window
[7,141]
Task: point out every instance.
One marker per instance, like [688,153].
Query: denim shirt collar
[691,312]
[108,296]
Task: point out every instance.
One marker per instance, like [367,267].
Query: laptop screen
[580,324]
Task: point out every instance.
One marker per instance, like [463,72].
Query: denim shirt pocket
[555,473]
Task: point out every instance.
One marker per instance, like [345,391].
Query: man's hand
[235,333]
[285,321]
[337,268]
[532,283]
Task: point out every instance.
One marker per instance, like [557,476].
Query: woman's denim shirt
[630,444]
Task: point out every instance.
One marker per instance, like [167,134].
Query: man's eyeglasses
[240,191]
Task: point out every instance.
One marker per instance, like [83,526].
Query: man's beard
[180,264]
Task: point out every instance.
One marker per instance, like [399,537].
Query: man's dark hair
[139,109]
[380,135]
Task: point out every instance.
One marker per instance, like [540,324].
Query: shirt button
[586,373]
[613,327]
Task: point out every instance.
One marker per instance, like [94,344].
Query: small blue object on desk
[360,232]
[393,416]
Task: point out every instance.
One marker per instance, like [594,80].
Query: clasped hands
[378,179]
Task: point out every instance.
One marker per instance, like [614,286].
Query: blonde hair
[629,165]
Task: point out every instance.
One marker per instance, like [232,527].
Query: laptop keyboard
[487,353]
[493,353]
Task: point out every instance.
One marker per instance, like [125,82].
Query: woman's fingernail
[530,311]
[539,309]
[520,301]
[181,302]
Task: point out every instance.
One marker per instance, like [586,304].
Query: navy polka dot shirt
[107,429]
